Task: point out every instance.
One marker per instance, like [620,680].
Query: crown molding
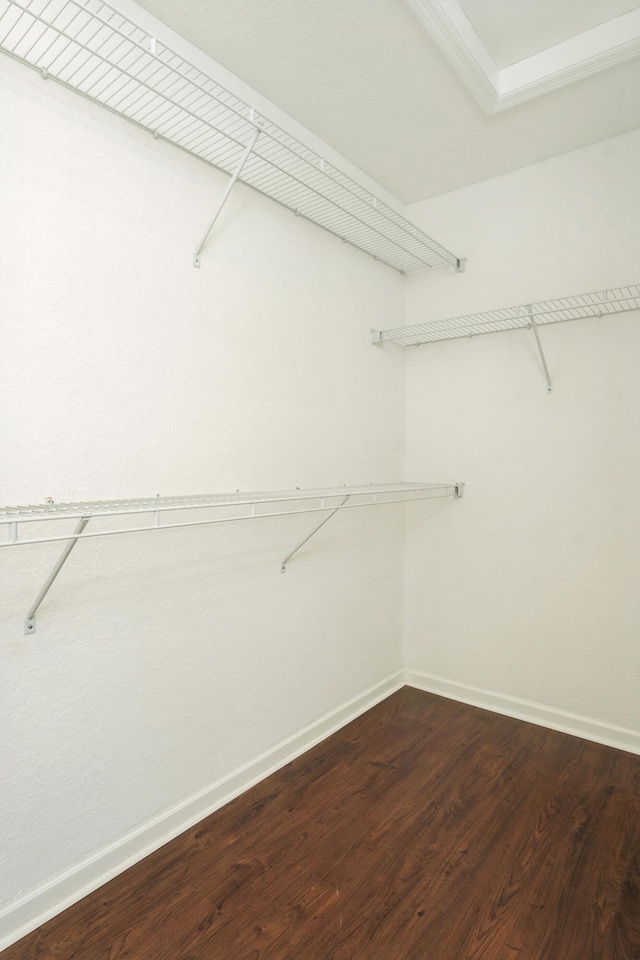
[445,22]
[497,89]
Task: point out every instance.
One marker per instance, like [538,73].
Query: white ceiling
[365,77]
[514,29]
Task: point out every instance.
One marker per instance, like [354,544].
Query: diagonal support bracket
[30,619]
[283,565]
[232,182]
[534,327]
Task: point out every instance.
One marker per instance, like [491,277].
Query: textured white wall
[530,587]
[164,662]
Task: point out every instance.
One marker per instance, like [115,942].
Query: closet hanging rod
[277,504]
[578,307]
[93,49]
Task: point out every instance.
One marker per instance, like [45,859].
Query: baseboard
[528,710]
[25,915]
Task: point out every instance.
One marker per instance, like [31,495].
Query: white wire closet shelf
[226,508]
[90,47]
[579,307]
[171,512]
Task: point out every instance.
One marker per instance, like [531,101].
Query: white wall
[164,663]
[529,588]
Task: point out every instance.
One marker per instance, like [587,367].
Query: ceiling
[368,79]
[514,29]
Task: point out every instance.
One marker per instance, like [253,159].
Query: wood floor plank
[623,942]
[272,917]
[498,894]
[153,926]
[309,806]
[423,874]
[424,829]
[594,844]
[432,795]
[31,947]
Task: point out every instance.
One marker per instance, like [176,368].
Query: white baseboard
[29,912]
[528,710]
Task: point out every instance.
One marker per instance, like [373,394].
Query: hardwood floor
[424,830]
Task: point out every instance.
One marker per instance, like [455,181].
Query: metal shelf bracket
[283,565]
[30,619]
[534,327]
[232,182]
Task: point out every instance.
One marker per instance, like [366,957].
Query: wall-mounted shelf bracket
[283,565]
[232,182]
[457,490]
[30,619]
[534,327]
[461,264]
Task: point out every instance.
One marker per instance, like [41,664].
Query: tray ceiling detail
[498,88]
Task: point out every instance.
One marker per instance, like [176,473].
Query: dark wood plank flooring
[424,830]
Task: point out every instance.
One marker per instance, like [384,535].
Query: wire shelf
[604,303]
[90,47]
[225,507]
